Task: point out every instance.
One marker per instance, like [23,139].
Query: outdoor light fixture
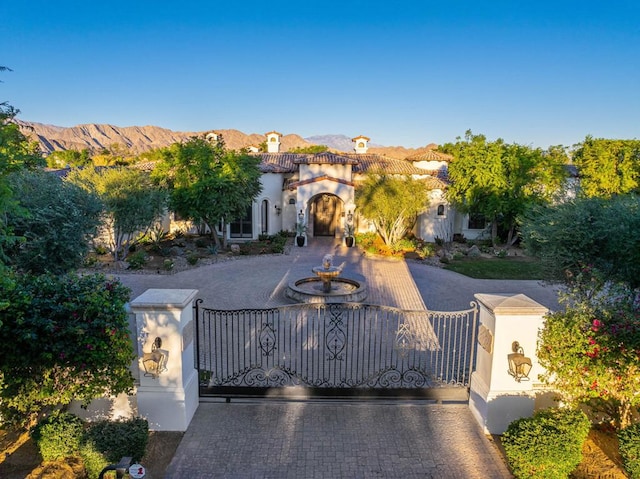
[278,210]
[349,217]
[301,216]
[156,361]
[519,364]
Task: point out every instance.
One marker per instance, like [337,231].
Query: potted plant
[301,229]
[349,231]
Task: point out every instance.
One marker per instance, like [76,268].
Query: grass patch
[497,268]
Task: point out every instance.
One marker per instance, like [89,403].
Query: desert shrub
[192,258]
[101,249]
[168,264]
[201,242]
[547,445]
[106,442]
[629,445]
[137,260]
[58,436]
[427,250]
[403,244]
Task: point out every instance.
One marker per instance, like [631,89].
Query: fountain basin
[313,290]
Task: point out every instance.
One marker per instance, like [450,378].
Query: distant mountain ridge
[96,137]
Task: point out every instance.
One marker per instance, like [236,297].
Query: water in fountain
[327,286]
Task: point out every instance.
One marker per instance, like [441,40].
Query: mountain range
[96,137]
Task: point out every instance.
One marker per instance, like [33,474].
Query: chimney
[360,144]
[273,141]
[213,136]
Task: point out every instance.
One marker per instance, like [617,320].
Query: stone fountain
[327,286]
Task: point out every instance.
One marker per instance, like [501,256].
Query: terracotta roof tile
[430,155]
[368,162]
[327,158]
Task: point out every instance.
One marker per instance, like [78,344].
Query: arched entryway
[326,211]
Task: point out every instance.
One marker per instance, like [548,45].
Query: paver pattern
[266,439]
[335,440]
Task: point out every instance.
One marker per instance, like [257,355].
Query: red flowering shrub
[592,351]
[62,338]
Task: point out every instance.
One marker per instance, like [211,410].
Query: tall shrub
[590,350]
[63,338]
[55,223]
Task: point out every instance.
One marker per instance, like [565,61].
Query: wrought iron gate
[335,350]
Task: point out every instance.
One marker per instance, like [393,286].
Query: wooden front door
[325,217]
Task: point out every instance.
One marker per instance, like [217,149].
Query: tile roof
[362,163]
[326,158]
[368,162]
[292,185]
[430,155]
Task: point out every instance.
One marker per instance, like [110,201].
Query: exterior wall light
[301,216]
[350,217]
[156,361]
[519,364]
[278,210]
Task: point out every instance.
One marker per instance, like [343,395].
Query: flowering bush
[62,338]
[591,351]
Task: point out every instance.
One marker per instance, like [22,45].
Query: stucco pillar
[169,399]
[496,398]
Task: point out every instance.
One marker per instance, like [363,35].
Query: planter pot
[300,241]
[349,241]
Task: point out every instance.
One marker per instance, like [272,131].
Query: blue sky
[403,73]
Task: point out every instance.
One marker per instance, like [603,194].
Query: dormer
[273,141]
[360,144]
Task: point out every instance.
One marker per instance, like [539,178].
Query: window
[440,210]
[264,217]
[243,227]
[477,221]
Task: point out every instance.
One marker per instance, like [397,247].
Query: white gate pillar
[496,397]
[168,391]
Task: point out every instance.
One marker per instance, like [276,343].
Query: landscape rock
[474,252]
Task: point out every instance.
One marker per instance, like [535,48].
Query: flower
[596,325]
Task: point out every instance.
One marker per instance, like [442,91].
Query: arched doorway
[326,213]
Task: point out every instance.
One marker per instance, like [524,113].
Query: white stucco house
[318,189]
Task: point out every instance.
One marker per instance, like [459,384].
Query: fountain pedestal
[326,275]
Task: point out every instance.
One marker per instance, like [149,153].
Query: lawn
[497,268]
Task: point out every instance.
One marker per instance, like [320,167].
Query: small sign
[137,471]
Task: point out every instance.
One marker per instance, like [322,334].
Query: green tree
[133,204]
[55,223]
[608,167]
[16,153]
[72,158]
[208,183]
[63,338]
[392,204]
[602,233]
[501,181]
[312,149]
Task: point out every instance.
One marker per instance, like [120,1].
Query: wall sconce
[349,217]
[301,216]
[278,210]
[156,361]
[519,364]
